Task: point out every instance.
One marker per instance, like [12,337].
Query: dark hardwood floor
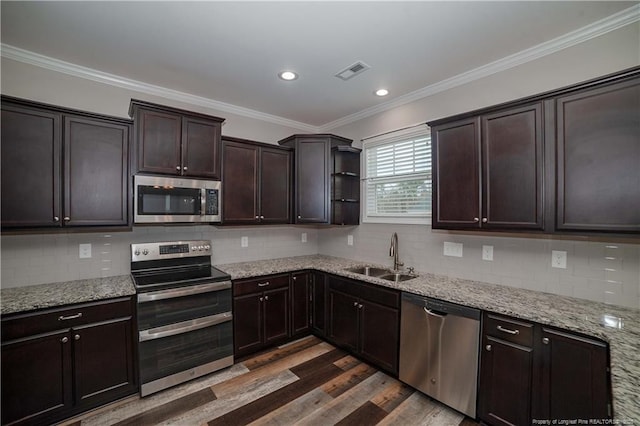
[307,382]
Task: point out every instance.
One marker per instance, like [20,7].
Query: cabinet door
[343,319]
[318,303]
[201,148]
[574,382]
[505,383]
[598,153]
[247,324]
[275,186]
[312,180]
[96,156]
[31,158]
[512,151]
[379,335]
[103,362]
[36,378]
[159,135]
[240,180]
[276,315]
[300,306]
[456,174]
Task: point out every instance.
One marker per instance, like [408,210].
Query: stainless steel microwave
[160,199]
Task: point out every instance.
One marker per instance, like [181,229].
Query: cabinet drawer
[22,325]
[508,329]
[256,285]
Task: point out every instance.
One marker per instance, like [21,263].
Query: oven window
[163,312]
[154,200]
[169,355]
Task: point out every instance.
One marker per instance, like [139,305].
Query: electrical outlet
[304,237]
[487,252]
[452,249]
[559,259]
[244,241]
[349,240]
[84,251]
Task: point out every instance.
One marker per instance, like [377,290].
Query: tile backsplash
[600,271]
[37,259]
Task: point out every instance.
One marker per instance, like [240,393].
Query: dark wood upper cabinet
[313,177]
[176,142]
[598,159]
[63,168]
[456,174]
[563,161]
[31,159]
[513,168]
[256,183]
[96,170]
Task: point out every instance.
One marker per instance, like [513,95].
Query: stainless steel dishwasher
[439,350]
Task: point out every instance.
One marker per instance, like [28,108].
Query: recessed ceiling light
[382,92]
[288,75]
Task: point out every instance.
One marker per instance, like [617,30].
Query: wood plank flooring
[307,382]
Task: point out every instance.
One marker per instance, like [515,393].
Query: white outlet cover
[559,259]
[84,251]
[487,253]
[452,249]
[349,240]
[244,241]
[304,237]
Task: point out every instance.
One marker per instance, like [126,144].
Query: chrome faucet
[393,251]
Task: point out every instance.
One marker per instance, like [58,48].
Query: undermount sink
[385,274]
[397,277]
[370,271]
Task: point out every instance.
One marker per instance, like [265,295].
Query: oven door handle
[183,327]
[182,291]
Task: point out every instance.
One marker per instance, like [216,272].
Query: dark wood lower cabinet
[247,324]
[573,378]
[319,304]
[49,372]
[529,371]
[300,303]
[365,319]
[276,316]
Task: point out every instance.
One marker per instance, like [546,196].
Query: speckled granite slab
[23,299]
[565,312]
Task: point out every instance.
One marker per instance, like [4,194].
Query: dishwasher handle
[434,314]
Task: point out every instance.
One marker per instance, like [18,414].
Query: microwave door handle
[203,201]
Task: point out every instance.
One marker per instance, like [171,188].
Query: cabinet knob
[355,304]
[360,306]
[261,299]
[261,217]
[67,219]
[295,278]
[178,168]
[476,219]
[485,220]
[266,298]
[64,340]
[184,168]
[545,340]
[56,219]
[488,348]
[76,337]
[257,217]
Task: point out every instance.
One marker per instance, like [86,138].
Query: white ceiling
[231,52]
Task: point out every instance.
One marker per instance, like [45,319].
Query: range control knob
[137,252]
[207,247]
[145,252]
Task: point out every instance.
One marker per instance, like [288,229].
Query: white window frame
[393,137]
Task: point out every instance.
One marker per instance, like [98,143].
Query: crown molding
[42,61]
[593,30]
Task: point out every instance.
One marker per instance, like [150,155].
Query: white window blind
[397,181]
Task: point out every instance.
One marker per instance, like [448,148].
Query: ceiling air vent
[352,70]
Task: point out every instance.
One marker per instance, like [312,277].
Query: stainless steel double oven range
[184,313]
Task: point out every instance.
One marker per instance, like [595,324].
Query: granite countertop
[578,315]
[23,299]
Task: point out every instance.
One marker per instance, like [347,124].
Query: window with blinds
[397,182]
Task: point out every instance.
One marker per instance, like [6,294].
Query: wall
[38,259]
[31,82]
[596,270]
